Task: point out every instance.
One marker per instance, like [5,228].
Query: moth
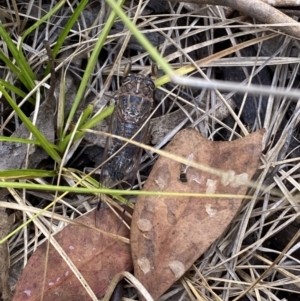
[134,104]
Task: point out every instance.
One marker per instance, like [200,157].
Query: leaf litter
[232,263]
[97,256]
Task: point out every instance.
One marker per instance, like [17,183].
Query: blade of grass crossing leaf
[91,190]
[87,181]
[38,135]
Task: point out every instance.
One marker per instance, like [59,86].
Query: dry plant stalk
[259,10]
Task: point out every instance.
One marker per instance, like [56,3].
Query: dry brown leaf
[5,225]
[97,256]
[169,233]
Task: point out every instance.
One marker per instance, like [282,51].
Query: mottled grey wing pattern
[134,105]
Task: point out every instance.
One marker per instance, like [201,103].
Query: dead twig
[260,11]
[282,3]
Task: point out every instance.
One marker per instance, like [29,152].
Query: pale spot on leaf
[144,264]
[210,211]
[234,180]
[240,180]
[211,186]
[144,225]
[162,177]
[160,182]
[27,293]
[196,179]
[228,177]
[177,268]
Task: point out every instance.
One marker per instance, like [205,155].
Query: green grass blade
[86,114]
[13,139]
[141,38]
[18,140]
[38,135]
[89,182]
[26,174]
[24,73]
[90,190]
[91,64]
[22,62]
[61,39]
[15,90]
[99,117]
[43,19]
[8,63]
[88,125]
